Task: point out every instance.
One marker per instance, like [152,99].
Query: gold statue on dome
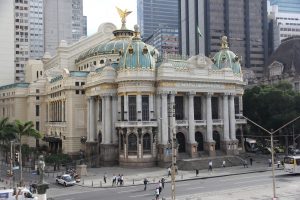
[123,14]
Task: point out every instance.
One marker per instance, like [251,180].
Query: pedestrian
[197,172]
[122,179]
[278,163]
[223,163]
[163,182]
[169,171]
[118,179]
[251,160]
[210,166]
[114,180]
[159,186]
[156,193]
[145,183]
[270,162]
[245,164]
[104,177]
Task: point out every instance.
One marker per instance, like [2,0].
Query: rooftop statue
[123,14]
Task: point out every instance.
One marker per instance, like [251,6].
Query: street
[246,186]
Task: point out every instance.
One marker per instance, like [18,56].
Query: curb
[183,180]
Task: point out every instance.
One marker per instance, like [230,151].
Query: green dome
[138,55]
[119,43]
[226,59]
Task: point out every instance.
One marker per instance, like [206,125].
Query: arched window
[132,143]
[146,143]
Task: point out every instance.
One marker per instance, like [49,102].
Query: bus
[292,164]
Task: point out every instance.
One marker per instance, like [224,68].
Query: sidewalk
[136,176]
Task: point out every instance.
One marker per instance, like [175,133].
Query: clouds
[101,11]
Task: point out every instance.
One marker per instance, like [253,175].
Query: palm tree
[24,129]
[6,133]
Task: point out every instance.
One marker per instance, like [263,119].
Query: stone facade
[113,100]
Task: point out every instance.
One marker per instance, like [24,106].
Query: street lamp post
[272,146]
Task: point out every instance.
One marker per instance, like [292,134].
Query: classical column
[164,108]
[107,120]
[88,116]
[92,128]
[191,118]
[209,121]
[103,119]
[63,111]
[114,119]
[151,107]
[226,117]
[126,107]
[203,107]
[158,118]
[220,105]
[240,104]
[232,117]
[139,106]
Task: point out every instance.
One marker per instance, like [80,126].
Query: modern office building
[63,21]
[287,22]
[165,40]
[84,26]
[244,22]
[7,41]
[23,35]
[108,96]
[287,6]
[155,14]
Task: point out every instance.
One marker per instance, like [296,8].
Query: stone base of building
[230,147]
[81,170]
[192,150]
[132,161]
[164,155]
[108,155]
[91,154]
[209,148]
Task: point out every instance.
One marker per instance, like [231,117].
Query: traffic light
[17,158]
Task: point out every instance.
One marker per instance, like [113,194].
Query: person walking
[270,162]
[278,163]
[169,171]
[251,160]
[122,179]
[210,166]
[114,180]
[224,164]
[197,172]
[163,182]
[159,186]
[145,183]
[157,193]
[104,177]
[245,164]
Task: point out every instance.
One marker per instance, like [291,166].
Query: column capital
[192,93]
[209,94]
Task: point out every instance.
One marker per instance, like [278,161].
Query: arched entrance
[132,144]
[181,142]
[217,139]
[199,140]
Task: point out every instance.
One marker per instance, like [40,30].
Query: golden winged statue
[123,14]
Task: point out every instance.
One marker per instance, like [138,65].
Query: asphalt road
[183,188]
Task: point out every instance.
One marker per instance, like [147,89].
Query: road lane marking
[193,188]
[140,195]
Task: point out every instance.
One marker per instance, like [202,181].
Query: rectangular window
[179,112]
[76,91]
[236,105]
[37,91]
[215,107]
[100,110]
[132,108]
[37,98]
[76,83]
[37,125]
[122,108]
[145,108]
[37,110]
[197,108]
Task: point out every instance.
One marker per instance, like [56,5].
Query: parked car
[65,180]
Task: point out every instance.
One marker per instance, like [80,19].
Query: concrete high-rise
[155,14]
[63,21]
[7,41]
[244,22]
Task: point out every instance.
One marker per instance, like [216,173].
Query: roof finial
[224,43]
[123,14]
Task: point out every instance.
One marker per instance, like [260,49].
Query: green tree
[6,135]
[272,106]
[24,129]
[57,159]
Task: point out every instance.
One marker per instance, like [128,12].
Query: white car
[22,194]
[65,180]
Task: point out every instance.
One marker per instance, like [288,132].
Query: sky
[101,11]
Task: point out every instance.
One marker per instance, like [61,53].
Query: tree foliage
[272,106]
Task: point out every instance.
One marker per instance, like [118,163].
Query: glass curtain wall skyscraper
[244,22]
[156,14]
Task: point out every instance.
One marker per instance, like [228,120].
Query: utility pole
[174,146]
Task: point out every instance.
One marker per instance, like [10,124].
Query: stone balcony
[125,124]
[56,124]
